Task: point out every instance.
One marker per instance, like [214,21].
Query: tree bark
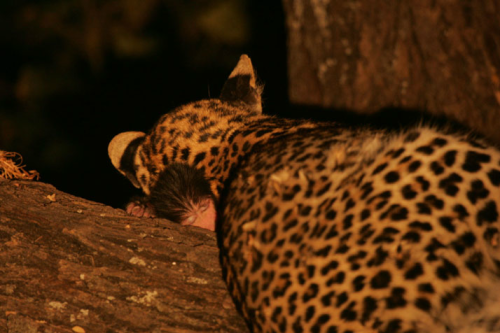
[432,55]
[71,265]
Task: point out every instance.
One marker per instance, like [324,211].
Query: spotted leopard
[326,228]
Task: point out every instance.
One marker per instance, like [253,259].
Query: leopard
[331,228]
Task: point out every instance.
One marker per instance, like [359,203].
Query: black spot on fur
[337,279]
[289,195]
[349,314]
[475,262]
[396,300]
[426,288]
[323,252]
[385,194]
[322,320]
[423,304]
[330,266]
[332,232]
[330,215]
[349,204]
[204,138]
[414,272]
[324,189]
[411,137]
[290,224]
[473,161]
[425,226]
[494,176]
[367,190]
[381,204]
[477,191]
[304,210]
[414,166]
[185,154]
[440,142]
[271,211]
[400,214]
[297,325]
[327,299]
[434,201]
[310,313]
[341,299]
[347,223]
[467,240]
[393,209]
[310,293]
[432,248]
[398,153]
[342,249]
[461,211]
[358,283]
[333,329]
[199,157]
[391,177]
[423,182]
[424,208]
[365,213]
[257,258]
[404,159]
[447,270]
[412,237]
[283,286]
[449,184]
[379,168]
[436,168]
[489,234]
[487,214]
[254,290]
[214,151]
[369,306]
[408,192]
[165,160]
[393,326]
[447,223]
[387,235]
[366,232]
[427,150]
[450,157]
[381,280]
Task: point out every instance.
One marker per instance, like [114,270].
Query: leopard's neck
[242,141]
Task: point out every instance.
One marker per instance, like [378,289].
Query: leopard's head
[190,133]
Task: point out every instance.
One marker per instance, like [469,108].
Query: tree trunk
[433,55]
[71,265]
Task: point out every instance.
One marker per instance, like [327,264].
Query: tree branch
[72,265]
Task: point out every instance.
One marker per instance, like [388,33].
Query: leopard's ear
[121,152]
[241,87]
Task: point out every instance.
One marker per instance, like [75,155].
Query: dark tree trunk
[71,265]
[434,55]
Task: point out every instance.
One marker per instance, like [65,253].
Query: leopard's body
[332,229]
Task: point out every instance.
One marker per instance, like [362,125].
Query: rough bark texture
[71,265]
[438,56]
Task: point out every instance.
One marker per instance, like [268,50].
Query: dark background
[74,73]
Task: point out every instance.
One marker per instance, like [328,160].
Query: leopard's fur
[326,228]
